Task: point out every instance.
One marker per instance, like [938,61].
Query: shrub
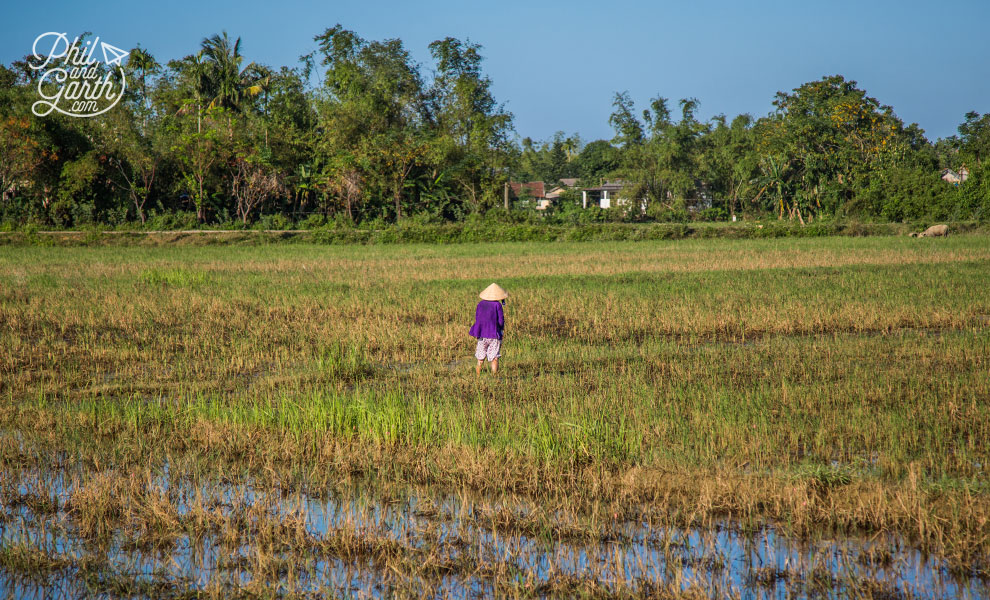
[313,221]
[273,222]
[713,214]
[171,221]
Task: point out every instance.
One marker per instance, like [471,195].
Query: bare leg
[477,368]
[495,367]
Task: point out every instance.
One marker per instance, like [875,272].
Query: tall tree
[19,152]
[470,127]
[836,139]
[137,153]
[628,129]
[597,160]
[659,154]
[370,110]
[729,162]
[198,154]
[974,137]
[143,65]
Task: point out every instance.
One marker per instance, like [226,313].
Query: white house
[605,195]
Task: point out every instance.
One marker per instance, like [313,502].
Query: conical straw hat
[493,292]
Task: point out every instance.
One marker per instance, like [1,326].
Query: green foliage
[712,214]
[660,157]
[597,160]
[729,163]
[549,161]
[827,144]
[488,230]
[668,212]
[83,195]
[274,222]
[974,138]
[171,220]
[383,139]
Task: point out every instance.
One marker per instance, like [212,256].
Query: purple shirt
[489,320]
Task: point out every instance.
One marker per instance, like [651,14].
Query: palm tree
[570,146]
[263,84]
[197,73]
[229,84]
[142,62]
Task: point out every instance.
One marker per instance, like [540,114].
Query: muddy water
[361,543]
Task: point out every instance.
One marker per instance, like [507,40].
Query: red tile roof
[531,189]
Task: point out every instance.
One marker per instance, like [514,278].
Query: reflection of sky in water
[459,528]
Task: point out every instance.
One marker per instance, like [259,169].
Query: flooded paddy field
[752,419]
[154,532]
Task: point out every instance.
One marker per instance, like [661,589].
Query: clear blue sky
[556,65]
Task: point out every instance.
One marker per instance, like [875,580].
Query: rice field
[674,419]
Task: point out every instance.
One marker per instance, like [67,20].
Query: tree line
[213,139]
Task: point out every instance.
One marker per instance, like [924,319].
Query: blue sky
[557,65]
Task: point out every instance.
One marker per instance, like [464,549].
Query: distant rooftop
[532,189]
[608,186]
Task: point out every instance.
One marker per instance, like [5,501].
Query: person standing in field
[489,323]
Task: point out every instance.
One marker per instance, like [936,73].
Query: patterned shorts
[489,348]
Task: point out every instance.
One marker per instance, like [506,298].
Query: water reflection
[213,536]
